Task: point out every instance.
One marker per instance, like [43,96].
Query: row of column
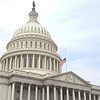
[31,44]
[11,93]
[48,63]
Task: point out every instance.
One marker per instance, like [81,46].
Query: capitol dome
[32,27]
[32,49]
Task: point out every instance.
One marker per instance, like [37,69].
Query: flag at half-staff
[63,61]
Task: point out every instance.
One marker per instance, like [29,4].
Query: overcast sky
[74,25]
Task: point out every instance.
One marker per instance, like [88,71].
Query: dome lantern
[33,14]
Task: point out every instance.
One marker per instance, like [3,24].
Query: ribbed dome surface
[32,28]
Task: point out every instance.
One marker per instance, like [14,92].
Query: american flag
[63,61]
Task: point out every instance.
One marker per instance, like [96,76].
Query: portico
[24,91]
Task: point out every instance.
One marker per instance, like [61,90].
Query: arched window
[31,44]
[24,62]
[48,47]
[35,29]
[35,64]
[14,46]
[51,48]
[30,62]
[26,43]
[21,44]
[31,29]
[44,46]
[17,45]
[39,30]
[40,45]
[35,44]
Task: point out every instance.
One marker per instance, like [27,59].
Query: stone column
[15,61]
[61,98]
[54,64]
[39,94]
[57,66]
[39,61]
[42,93]
[2,65]
[21,91]
[98,97]
[54,92]
[27,64]
[6,63]
[73,94]
[36,91]
[29,91]
[45,60]
[9,92]
[93,97]
[50,64]
[89,96]
[21,65]
[79,95]
[13,91]
[10,63]
[47,92]
[33,62]
[84,95]
[67,93]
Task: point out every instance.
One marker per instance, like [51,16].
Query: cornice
[31,36]
[28,51]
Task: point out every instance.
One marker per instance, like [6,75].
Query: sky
[74,25]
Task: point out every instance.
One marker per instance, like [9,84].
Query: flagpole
[66,60]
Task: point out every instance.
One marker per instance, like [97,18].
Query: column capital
[29,83]
[21,82]
[54,86]
[13,82]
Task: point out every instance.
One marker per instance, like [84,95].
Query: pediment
[70,77]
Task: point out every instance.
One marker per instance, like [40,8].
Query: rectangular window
[41,64]
[52,66]
[48,65]
[30,62]
[24,62]
[19,62]
[35,64]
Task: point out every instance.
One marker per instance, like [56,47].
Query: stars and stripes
[63,61]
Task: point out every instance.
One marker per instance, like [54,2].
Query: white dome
[32,27]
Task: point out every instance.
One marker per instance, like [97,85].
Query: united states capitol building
[31,70]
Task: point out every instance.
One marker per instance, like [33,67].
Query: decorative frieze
[69,78]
